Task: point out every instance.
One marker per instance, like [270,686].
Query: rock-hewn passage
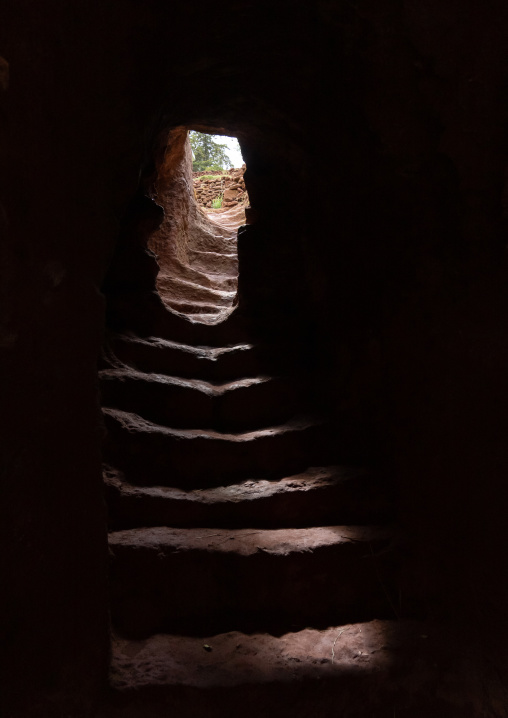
[361,670]
[228,186]
[196,246]
[238,520]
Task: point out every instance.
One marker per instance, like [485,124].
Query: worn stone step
[145,314]
[379,669]
[188,403]
[162,356]
[187,291]
[224,264]
[317,496]
[190,307]
[206,316]
[223,241]
[203,580]
[175,268]
[215,329]
[150,454]
[199,313]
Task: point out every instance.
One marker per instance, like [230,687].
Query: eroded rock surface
[214,493]
[195,249]
[228,185]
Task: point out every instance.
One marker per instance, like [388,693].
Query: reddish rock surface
[287,502]
[374,136]
[372,669]
[195,249]
[229,184]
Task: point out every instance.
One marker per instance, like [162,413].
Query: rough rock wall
[421,285]
[228,185]
[70,150]
[185,231]
[185,227]
[396,295]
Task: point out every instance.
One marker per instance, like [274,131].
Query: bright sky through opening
[233,150]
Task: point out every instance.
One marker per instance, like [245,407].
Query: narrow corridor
[241,524]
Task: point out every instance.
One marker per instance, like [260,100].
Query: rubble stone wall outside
[227,183]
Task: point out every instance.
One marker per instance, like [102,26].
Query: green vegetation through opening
[210,154]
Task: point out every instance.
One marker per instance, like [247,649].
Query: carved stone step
[203,580]
[161,356]
[321,496]
[196,276]
[145,314]
[378,669]
[225,264]
[186,291]
[196,308]
[188,403]
[151,454]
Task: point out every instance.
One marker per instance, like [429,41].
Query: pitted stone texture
[151,454]
[318,496]
[229,183]
[227,406]
[152,354]
[253,579]
[378,669]
[188,240]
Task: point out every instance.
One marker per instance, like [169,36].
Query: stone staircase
[202,283]
[254,560]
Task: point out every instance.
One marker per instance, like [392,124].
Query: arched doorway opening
[196,242]
[220,461]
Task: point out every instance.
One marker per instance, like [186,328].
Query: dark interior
[373,269]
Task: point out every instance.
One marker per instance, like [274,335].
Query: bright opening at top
[217,171]
[214,152]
